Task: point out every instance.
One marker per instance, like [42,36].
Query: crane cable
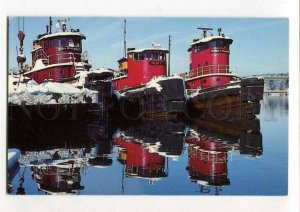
[23,24]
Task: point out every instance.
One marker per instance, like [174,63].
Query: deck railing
[63,58]
[58,58]
[210,69]
[41,54]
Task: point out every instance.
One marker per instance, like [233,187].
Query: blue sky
[260,45]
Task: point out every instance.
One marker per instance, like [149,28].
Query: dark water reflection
[203,157]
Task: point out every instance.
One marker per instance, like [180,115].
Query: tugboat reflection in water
[59,170]
[59,178]
[208,150]
[143,149]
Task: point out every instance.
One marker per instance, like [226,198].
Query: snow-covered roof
[207,39]
[148,49]
[58,34]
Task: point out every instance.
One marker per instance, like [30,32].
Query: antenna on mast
[125,38]
[204,31]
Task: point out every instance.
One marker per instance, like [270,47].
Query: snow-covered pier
[31,93]
[48,97]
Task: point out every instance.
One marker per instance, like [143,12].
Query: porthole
[61,72]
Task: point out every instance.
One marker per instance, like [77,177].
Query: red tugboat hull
[230,101]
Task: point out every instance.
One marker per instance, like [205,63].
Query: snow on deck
[100,71]
[195,92]
[31,93]
[81,76]
[154,82]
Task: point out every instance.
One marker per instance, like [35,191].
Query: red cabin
[209,61]
[57,56]
[140,66]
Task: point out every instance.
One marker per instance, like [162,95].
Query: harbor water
[200,157]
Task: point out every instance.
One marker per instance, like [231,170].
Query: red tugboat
[213,87]
[144,85]
[58,56]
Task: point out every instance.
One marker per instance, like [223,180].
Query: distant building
[276,83]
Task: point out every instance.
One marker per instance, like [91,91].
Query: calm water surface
[153,157]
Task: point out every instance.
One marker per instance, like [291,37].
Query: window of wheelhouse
[139,56]
[142,56]
[77,43]
[162,56]
[217,43]
[56,43]
[155,55]
[50,43]
[201,47]
[136,56]
[226,45]
[80,44]
[148,55]
[71,42]
[63,42]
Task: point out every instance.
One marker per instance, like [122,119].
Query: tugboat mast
[169,58]
[125,38]
[50,24]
